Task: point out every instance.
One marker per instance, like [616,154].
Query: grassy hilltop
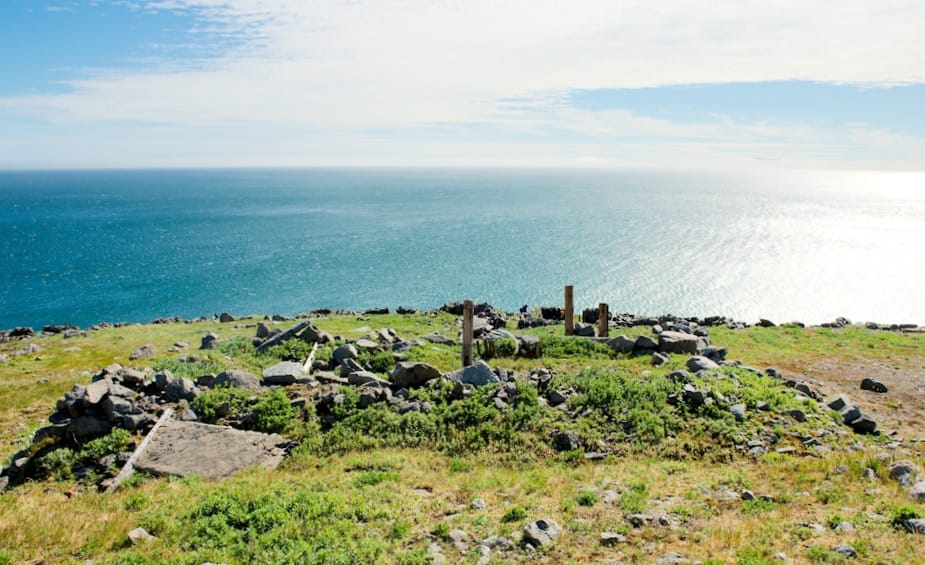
[457,481]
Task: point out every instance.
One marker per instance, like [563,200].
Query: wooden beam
[307,366]
[130,464]
[569,311]
[603,319]
[468,313]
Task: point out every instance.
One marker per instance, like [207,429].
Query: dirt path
[901,409]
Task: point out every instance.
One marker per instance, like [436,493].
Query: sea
[83,247]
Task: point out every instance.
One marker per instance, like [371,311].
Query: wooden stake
[603,319]
[569,312]
[467,333]
[130,464]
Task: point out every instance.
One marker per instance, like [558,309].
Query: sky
[577,83]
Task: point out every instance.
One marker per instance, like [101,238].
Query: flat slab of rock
[214,452]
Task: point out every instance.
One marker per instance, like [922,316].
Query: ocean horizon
[83,247]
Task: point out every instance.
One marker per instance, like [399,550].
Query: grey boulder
[283,373]
[541,533]
[236,379]
[413,374]
[477,375]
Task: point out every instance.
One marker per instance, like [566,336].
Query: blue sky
[488,83]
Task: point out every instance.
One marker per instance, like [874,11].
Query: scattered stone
[863,425]
[840,403]
[738,412]
[644,343]
[845,528]
[873,385]
[438,339]
[226,318]
[146,351]
[914,525]
[541,533]
[693,395]
[236,378]
[139,535]
[680,343]
[209,341]
[700,363]
[846,550]
[917,492]
[408,374]
[96,390]
[748,495]
[797,414]
[609,539]
[566,441]
[555,398]
[659,359]
[904,472]
[283,373]
[181,389]
[477,375]
[622,344]
[672,559]
[478,504]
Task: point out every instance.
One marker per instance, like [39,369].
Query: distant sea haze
[82,247]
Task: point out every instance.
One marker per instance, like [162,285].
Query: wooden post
[130,464]
[603,319]
[467,333]
[307,366]
[569,312]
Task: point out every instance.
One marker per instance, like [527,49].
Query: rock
[366,344]
[162,379]
[863,425]
[438,339]
[364,378]
[182,344]
[132,377]
[609,539]
[189,416]
[528,347]
[845,528]
[644,343]
[349,366]
[873,385]
[846,550]
[407,374]
[914,525]
[679,342]
[236,379]
[672,559]
[659,359]
[555,398]
[181,389]
[283,373]
[700,363]
[585,330]
[477,375]
[693,395]
[146,351]
[748,495]
[226,318]
[115,408]
[839,403]
[344,352]
[209,341]
[566,441]
[764,323]
[478,504]
[213,452]
[797,414]
[96,391]
[622,344]
[715,354]
[738,412]
[139,535]
[87,427]
[904,472]
[263,330]
[541,533]
[134,422]
[773,373]
[917,492]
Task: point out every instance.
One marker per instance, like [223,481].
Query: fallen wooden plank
[130,464]
[307,367]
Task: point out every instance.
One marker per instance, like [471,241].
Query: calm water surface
[84,247]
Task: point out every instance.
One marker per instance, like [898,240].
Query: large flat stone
[214,452]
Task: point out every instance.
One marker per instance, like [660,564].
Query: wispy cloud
[348,67]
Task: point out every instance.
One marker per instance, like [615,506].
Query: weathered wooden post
[467,333]
[569,312]
[603,319]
